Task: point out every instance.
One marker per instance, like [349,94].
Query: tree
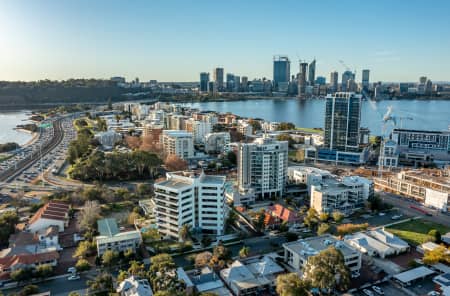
[123,275]
[132,217]
[291,236]
[136,268]
[208,294]
[323,217]
[82,265]
[327,270]
[311,218]
[337,216]
[435,235]
[161,279]
[221,252]
[232,158]
[29,290]
[290,284]
[21,274]
[102,283]
[283,126]
[323,228]
[89,214]
[439,254]
[256,125]
[184,232]
[8,221]
[348,228]
[174,163]
[43,271]
[84,249]
[202,259]
[74,294]
[244,252]
[109,258]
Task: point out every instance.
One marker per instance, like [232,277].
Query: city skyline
[175,41]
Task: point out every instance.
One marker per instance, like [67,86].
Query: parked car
[378,290]
[368,292]
[73,277]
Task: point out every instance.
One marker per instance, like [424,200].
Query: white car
[381,214]
[73,277]
[433,293]
[368,292]
[378,290]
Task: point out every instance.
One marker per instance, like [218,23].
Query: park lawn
[309,130]
[416,231]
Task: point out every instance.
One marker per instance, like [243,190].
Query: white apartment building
[346,195]
[244,128]
[296,253]
[111,238]
[262,166]
[193,199]
[216,142]
[307,175]
[199,129]
[179,143]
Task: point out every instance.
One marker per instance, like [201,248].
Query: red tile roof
[53,210]
[283,213]
[27,259]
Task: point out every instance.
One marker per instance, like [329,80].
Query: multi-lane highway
[11,172]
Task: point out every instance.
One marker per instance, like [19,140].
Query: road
[27,162]
[404,205]
[59,287]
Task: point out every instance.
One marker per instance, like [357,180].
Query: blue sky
[397,40]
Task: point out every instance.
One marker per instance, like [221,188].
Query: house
[13,262]
[206,280]
[111,238]
[264,267]
[242,281]
[390,239]
[427,247]
[296,253]
[283,214]
[134,286]
[53,213]
[369,245]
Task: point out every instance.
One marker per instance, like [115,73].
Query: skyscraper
[204,80]
[312,72]
[218,78]
[342,121]
[230,82]
[262,167]
[334,76]
[346,76]
[302,79]
[281,70]
[365,79]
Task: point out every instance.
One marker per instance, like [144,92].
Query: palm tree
[184,232]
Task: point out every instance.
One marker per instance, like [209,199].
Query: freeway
[13,171]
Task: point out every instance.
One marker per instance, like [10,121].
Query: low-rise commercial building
[134,286]
[369,245]
[216,142]
[296,253]
[111,238]
[387,238]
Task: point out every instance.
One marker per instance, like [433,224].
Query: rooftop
[177,133]
[52,210]
[107,227]
[413,274]
[313,245]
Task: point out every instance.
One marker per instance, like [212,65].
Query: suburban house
[13,262]
[283,214]
[369,245]
[111,238]
[53,213]
[239,278]
[134,286]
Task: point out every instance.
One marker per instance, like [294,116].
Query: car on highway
[73,277]
[368,292]
[396,217]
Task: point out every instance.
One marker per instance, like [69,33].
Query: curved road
[27,162]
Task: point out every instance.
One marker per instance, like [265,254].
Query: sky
[176,40]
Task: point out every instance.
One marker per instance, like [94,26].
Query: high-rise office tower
[346,76]
[365,79]
[302,79]
[312,72]
[218,78]
[230,82]
[281,70]
[334,76]
[342,121]
[244,83]
[262,167]
[204,80]
[237,83]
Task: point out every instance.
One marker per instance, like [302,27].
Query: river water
[425,114]
[8,121]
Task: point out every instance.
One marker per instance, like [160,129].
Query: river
[8,121]
[425,114]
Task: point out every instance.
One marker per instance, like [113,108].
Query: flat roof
[107,227]
[413,274]
[174,183]
[312,246]
[217,180]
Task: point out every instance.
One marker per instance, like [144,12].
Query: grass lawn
[309,130]
[415,232]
